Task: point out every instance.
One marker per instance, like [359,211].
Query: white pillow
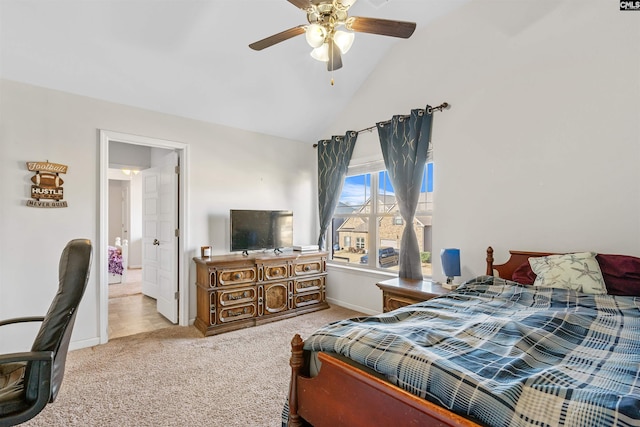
[578,271]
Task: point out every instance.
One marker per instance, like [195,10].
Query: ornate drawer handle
[237,276]
[232,297]
[238,313]
[307,268]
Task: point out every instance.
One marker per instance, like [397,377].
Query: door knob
[156,242]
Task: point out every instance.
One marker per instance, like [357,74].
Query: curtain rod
[443,106]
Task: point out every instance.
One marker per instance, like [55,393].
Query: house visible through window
[367,220]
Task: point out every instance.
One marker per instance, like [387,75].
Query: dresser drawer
[271,272]
[236,312]
[308,284]
[308,267]
[236,276]
[391,302]
[302,300]
[229,297]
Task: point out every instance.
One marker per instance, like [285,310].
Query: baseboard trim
[77,345]
[352,306]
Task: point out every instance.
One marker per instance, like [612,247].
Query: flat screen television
[260,229]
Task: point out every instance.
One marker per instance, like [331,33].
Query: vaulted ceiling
[191,58]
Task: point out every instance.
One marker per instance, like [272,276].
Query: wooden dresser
[235,291]
[398,292]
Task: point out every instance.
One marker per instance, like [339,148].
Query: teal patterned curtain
[405,141]
[333,159]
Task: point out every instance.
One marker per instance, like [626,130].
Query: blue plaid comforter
[505,354]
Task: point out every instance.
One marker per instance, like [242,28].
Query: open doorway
[129,167]
[132,308]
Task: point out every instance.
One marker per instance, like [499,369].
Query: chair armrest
[21,320]
[27,356]
[37,386]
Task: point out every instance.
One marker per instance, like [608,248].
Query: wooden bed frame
[344,395]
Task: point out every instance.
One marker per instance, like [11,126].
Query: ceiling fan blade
[301,4]
[277,38]
[335,59]
[384,27]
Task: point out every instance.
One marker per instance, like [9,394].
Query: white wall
[541,146]
[229,169]
[115,209]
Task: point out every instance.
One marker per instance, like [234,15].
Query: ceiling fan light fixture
[315,34]
[321,53]
[324,17]
[343,4]
[344,40]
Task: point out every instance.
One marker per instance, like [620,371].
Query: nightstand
[398,292]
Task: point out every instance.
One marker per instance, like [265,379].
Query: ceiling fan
[325,33]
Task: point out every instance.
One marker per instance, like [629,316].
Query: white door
[159,240]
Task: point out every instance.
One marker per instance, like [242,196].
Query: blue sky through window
[357,189]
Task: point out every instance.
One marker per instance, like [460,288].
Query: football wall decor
[46,190]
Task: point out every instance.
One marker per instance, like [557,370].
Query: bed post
[296,361]
[489,261]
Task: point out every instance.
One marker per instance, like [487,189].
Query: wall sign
[47,191]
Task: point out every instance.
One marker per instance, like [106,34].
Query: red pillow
[621,274]
[524,274]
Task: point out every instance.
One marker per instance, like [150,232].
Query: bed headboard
[516,259]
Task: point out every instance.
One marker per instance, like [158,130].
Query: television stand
[240,291]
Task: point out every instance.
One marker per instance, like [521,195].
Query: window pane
[425,202]
[389,235]
[352,233]
[355,195]
[352,242]
[423,219]
[386,195]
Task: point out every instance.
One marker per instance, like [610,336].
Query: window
[367,220]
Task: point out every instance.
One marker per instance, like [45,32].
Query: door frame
[182,149]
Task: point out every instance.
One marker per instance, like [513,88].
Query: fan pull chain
[331,46]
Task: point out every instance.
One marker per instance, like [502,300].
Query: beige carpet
[176,377]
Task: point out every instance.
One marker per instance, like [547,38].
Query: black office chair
[30,380]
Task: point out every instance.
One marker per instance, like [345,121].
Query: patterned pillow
[578,271]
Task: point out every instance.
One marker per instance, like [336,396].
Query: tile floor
[133,314]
